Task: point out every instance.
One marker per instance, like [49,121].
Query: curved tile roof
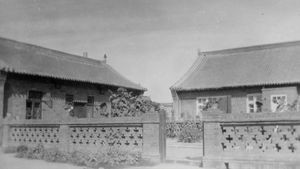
[29,59]
[270,64]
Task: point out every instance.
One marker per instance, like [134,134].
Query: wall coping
[145,118]
[248,117]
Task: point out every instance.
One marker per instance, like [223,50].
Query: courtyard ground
[190,153]
[179,155]
[8,161]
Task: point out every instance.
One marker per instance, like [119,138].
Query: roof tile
[24,58]
[248,66]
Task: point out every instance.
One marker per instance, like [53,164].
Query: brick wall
[17,91]
[256,141]
[188,108]
[290,92]
[187,99]
[144,133]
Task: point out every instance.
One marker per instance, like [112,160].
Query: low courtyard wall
[144,134]
[258,141]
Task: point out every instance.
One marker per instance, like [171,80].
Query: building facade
[254,79]
[37,83]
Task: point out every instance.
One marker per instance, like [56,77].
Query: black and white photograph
[149,84]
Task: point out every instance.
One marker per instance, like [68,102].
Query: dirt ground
[8,161]
[176,150]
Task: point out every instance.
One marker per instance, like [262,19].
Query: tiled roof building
[237,73]
[22,58]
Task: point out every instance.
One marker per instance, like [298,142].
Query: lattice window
[34,135]
[254,103]
[91,137]
[261,138]
[207,103]
[278,102]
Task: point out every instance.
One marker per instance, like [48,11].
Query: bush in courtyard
[37,152]
[189,133]
[30,152]
[55,155]
[126,104]
[79,158]
[106,157]
[111,156]
[21,151]
[115,156]
[172,130]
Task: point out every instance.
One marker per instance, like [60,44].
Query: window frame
[67,102]
[198,113]
[277,95]
[88,103]
[90,106]
[33,101]
[254,95]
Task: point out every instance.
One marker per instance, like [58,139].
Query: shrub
[108,157]
[121,156]
[190,132]
[79,158]
[55,155]
[127,104]
[31,153]
[187,131]
[37,152]
[172,129]
[21,151]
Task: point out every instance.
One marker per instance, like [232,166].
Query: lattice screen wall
[79,137]
[28,135]
[261,138]
[97,136]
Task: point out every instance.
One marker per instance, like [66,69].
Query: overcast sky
[151,42]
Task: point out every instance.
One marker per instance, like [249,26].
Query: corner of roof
[251,48]
[200,60]
[137,86]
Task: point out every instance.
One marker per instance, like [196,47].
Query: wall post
[162,135]
[5,136]
[64,136]
[2,84]
[151,137]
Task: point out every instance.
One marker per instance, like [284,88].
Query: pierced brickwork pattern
[261,138]
[34,135]
[106,136]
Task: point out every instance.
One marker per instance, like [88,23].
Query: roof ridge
[253,47]
[270,64]
[54,52]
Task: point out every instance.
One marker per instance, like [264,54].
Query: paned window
[210,103]
[34,105]
[278,102]
[254,103]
